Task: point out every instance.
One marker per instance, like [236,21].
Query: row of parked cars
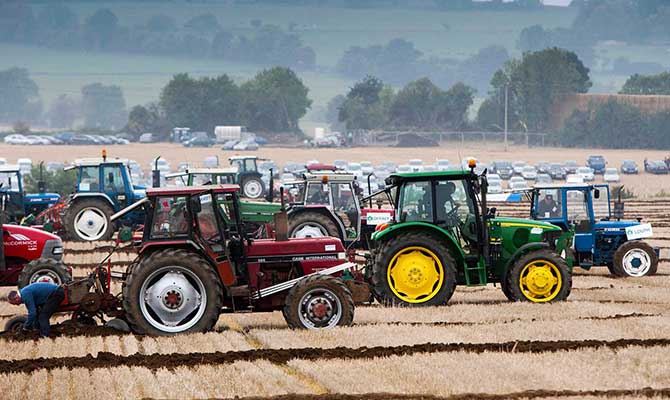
[64,138]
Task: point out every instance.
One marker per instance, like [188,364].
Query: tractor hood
[139,193]
[253,211]
[295,248]
[506,222]
[42,198]
[31,243]
[614,225]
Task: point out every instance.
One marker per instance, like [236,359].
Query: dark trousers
[48,309]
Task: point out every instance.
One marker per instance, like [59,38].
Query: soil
[64,329]
[281,356]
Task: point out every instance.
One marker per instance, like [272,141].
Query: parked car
[229,144]
[571,166]
[442,164]
[503,168]
[199,139]
[146,138]
[495,184]
[556,171]
[574,179]
[543,179]
[542,167]
[16,139]
[658,167]
[403,168]
[37,140]
[597,164]
[246,145]
[25,165]
[518,184]
[367,168]
[517,166]
[341,164]
[356,169]
[529,173]
[611,175]
[586,173]
[416,165]
[629,167]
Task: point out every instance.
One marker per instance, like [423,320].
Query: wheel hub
[320,308]
[171,298]
[45,275]
[415,275]
[636,262]
[90,224]
[308,231]
[540,281]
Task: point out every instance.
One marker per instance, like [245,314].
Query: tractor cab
[443,234]
[248,176]
[599,232]
[204,176]
[18,203]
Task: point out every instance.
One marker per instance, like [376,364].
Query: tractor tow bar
[280,287]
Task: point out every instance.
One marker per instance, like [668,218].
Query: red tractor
[196,261]
[29,255]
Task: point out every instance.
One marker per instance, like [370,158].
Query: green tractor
[444,235]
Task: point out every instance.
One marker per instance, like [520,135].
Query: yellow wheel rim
[540,281]
[415,274]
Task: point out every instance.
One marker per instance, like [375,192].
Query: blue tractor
[104,187]
[602,237]
[19,203]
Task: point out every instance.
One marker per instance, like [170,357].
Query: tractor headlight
[57,250]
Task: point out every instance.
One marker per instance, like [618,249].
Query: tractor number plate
[639,232]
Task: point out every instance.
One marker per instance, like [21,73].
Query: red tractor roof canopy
[191,190]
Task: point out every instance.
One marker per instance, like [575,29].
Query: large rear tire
[15,324]
[635,258]
[309,224]
[89,220]
[253,187]
[414,269]
[540,276]
[43,270]
[172,291]
[319,302]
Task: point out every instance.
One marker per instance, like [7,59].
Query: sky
[557,2]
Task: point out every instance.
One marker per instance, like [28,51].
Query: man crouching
[41,299]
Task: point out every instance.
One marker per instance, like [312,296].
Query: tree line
[58,26]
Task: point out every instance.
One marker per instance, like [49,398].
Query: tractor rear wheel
[540,276]
[89,220]
[414,269]
[172,291]
[311,224]
[43,270]
[253,188]
[319,302]
[635,258]
[504,285]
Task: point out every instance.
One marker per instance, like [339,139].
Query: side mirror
[596,193]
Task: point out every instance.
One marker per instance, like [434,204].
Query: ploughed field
[609,340]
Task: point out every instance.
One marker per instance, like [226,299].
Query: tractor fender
[321,210]
[155,246]
[91,195]
[396,229]
[523,250]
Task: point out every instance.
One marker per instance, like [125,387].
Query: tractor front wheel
[15,324]
[172,291]
[319,302]
[89,220]
[414,269]
[634,258]
[539,276]
[43,270]
[310,225]
[253,188]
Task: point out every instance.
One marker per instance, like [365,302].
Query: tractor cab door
[346,208]
[601,202]
[549,205]
[13,190]
[580,212]
[116,185]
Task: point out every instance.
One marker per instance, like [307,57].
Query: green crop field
[329,31]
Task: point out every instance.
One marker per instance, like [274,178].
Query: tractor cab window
[89,179]
[455,209]
[601,203]
[344,205]
[224,179]
[415,203]
[250,164]
[225,201]
[295,193]
[113,179]
[9,180]
[317,194]
[202,179]
[170,217]
[207,222]
[548,204]
[577,206]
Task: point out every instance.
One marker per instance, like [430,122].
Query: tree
[103,106]
[274,100]
[17,22]
[147,118]
[204,24]
[477,69]
[201,104]
[100,29]
[647,84]
[332,114]
[366,105]
[63,112]
[58,17]
[418,105]
[60,181]
[538,79]
[20,96]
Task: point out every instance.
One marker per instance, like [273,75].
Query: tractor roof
[203,171]
[329,175]
[564,186]
[242,158]
[190,190]
[433,174]
[9,168]
[94,162]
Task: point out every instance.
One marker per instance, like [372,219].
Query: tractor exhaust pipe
[271,189]
[41,185]
[281,220]
[156,174]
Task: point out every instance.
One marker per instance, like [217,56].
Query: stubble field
[609,340]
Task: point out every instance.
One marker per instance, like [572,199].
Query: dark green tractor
[444,235]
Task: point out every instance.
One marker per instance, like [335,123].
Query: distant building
[646,103]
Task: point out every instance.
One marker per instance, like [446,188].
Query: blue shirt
[34,295]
